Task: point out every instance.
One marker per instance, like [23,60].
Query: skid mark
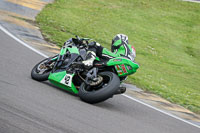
[18,22]
[11,14]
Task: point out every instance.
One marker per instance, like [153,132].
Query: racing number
[67,79]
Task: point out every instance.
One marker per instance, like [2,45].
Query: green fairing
[63,51]
[55,78]
[86,38]
[55,58]
[73,50]
[97,58]
[120,63]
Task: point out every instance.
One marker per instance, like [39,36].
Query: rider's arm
[128,52]
[108,54]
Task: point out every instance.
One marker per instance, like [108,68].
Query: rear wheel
[102,91]
[41,71]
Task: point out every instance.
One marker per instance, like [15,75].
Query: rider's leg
[94,49]
[90,57]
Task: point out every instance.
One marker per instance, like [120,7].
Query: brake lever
[78,38]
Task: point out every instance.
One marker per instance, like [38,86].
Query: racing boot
[88,63]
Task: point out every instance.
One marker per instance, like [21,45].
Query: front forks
[91,76]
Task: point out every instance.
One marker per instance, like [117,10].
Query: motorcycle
[93,85]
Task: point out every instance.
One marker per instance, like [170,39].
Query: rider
[119,47]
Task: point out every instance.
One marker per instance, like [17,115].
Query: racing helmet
[118,40]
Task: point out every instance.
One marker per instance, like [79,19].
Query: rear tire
[39,77]
[103,93]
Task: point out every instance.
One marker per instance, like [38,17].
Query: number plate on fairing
[67,80]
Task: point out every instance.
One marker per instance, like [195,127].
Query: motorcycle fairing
[63,80]
[123,66]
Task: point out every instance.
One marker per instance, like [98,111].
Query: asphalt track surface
[28,106]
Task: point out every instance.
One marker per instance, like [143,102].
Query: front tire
[36,75]
[111,83]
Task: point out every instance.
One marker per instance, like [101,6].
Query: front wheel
[101,92]
[41,71]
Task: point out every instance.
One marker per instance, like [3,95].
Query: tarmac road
[28,106]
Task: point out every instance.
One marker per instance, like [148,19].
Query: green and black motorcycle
[95,85]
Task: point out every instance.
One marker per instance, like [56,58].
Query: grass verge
[165,33]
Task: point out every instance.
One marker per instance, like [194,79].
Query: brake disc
[95,83]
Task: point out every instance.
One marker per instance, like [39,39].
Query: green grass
[165,33]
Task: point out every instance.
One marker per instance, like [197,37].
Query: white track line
[195,1]
[164,112]
[136,100]
[21,42]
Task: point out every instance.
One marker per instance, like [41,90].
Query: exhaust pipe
[121,90]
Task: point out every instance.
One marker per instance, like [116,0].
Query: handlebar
[78,41]
[82,41]
[78,38]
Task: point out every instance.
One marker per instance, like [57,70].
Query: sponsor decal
[129,67]
[117,59]
[124,68]
[118,68]
[121,69]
